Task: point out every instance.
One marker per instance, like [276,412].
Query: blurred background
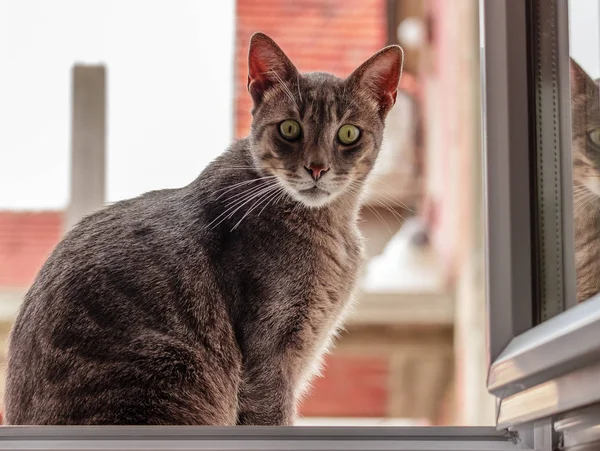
[102,100]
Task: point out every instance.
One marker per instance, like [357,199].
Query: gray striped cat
[214,303]
[585,108]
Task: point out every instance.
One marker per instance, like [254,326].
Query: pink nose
[316,171]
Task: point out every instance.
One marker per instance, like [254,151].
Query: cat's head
[317,133]
[585,108]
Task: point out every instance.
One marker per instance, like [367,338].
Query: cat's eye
[290,130]
[348,134]
[595,137]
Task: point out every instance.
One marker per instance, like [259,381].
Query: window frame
[531,388]
[544,372]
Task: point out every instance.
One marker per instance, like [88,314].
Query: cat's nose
[316,171]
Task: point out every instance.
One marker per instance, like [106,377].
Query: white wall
[170,92]
[584,34]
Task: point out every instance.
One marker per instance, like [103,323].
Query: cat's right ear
[380,76]
[581,83]
[267,66]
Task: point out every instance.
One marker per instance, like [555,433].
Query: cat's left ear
[581,82]
[380,75]
[267,65]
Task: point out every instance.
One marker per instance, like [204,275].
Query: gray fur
[585,103]
[214,303]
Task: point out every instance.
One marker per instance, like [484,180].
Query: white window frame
[542,375]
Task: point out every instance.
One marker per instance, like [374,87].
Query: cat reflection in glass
[212,304]
[585,110]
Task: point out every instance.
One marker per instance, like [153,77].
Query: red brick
[318,35]
[26,241]
[351,386]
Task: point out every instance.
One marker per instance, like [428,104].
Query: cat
[212,304]
[585,148]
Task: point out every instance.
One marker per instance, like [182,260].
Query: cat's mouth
[315,196]
[314,191]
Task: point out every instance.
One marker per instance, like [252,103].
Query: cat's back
[118,244]
[113,316]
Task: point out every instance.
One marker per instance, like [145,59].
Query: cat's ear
[267,66]
[581,83]
[380,75]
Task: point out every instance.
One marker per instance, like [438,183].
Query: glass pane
[584,42]
[174,79]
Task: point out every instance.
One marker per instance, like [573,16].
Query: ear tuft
[267,65]
[581,82]
[380,75]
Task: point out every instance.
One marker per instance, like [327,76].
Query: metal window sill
[563,344]
[256,438]
[550,369]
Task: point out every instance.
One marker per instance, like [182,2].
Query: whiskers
[252,197]
[244,182]
[381,200]
[582,199]
[242,168]
[373,180]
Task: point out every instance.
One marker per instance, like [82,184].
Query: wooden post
[88,142]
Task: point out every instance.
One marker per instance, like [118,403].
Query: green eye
[290,130]
[595,137]
[348,134]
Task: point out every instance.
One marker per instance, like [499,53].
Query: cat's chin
[314,197]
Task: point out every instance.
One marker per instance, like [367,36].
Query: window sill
[551,368]
[255,438]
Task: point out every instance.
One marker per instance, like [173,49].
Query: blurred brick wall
[450,77]
[381,371]
[26,240]
[351,386]
[318,35]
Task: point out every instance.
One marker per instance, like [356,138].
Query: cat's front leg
[266,396]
